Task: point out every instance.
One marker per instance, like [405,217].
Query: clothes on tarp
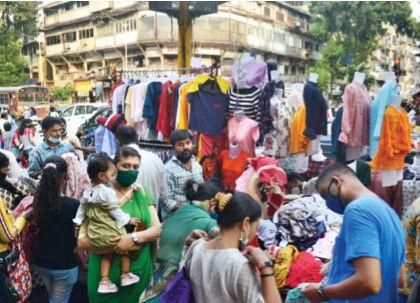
[356,115]
[284,260]
[316,110]
[323,248]
[266,232]
[305,269]
[395,140]
[296,296]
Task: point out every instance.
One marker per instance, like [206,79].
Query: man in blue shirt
[52,145]
[369,250]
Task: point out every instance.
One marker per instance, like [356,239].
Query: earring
[243,242]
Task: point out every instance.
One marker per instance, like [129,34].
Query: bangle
[322,294]
[263,265]
[267,275]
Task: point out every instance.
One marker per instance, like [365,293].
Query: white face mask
[54,140]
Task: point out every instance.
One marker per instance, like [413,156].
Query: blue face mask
[334,202]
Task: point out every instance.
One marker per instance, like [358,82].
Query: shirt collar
[46,146]
[175,159]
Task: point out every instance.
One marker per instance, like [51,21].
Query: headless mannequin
[353,153]
[314,145]
[390,77]
[234,150]
[313,77]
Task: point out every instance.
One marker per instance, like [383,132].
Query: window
[90,109]
[69,37]
[68,112]
[80,110]
[51,40]
[126,26]
[266,12]
[82,3]
[86,33]
[279,17]
[290,41]
[105,30]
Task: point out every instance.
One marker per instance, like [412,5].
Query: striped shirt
[246,100]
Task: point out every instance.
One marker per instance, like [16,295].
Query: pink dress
[244,132]
[356,113]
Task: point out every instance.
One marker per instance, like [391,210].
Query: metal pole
[126,56]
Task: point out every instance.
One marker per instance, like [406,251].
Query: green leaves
[63,93]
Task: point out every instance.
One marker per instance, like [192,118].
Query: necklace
[124,195]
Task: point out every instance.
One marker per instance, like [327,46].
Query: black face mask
[185,156]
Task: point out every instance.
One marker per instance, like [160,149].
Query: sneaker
[107,287]
[129,279]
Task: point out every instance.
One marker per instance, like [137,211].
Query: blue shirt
[208,107]
[43,151]
[370,229]
[99,138]
[151,103]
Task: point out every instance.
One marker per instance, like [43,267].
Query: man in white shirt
[3,119]
[152,171]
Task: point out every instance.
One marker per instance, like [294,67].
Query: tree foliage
[16,18]
[63,93]
[358,25]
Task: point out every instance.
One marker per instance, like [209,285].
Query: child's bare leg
[125,264]
[106,266]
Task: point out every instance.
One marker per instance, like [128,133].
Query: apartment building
[84,40]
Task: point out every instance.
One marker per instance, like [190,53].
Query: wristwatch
[135,238]
[265,264]
[321,293]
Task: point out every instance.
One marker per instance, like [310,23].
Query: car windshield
[68,112]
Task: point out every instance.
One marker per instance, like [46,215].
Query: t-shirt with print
[370,229]
[232,168]
[208,107]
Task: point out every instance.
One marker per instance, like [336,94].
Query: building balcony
[67,16]
[97,6]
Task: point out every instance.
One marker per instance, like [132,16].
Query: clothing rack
[158,71]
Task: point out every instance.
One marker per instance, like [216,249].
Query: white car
[76,114]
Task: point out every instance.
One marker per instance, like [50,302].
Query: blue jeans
[59,282]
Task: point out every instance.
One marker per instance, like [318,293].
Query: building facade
[84,40]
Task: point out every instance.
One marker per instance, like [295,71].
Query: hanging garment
[183,109]
[245,99]
[127,102]
[264,113]
[249,71]
[305,269]
[316,110]
[282,119]
[377,109]
[284,260]
[315,168]
[363,172]
[231,168]
[208,107]
[151,104]
[338,148]
[222,84]
[356,114]
[295,98]
[209,165]
[138,98]
[395,141]
[118,98]
[78,179]
[298,141]
[244,132]
[163,113]
[391,194]
[211,145]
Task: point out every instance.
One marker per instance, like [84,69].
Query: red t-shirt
[232,169]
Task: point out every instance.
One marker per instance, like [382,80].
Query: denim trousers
[59,282]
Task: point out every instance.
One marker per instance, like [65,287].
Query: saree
[137,207]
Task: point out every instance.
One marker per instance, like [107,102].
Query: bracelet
[262,265]
[267,275]
[322,294]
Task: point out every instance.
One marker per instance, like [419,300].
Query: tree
[19,16]
[358,25]
[63,93]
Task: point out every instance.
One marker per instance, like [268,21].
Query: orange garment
[298,141]
[395,141]
[231,169]
[183,107]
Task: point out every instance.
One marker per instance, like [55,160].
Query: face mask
[54,140]
[127,177]
[185,156]
[334,202]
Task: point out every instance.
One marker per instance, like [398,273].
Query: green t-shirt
[177,228]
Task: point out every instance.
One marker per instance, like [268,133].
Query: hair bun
[223,200]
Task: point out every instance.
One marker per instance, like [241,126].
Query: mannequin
[234,150]
[295,98]
[389,76]
[275,75]
[313,77]
[396,101]
[359,77]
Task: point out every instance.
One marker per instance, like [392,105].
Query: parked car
[76,114]
[92,123]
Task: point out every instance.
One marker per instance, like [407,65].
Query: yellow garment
[183,112]
[128,100]
[9,228]
[395,141]
[298,141]
[284,260]
[223,84]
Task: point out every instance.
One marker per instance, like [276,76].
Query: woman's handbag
[16,275]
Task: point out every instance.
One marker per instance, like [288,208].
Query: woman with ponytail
[54,257]
[226,269]
[195,216]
